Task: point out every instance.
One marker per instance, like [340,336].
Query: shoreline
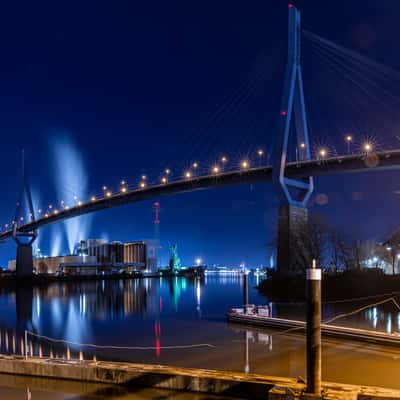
[352,284]
[39,280]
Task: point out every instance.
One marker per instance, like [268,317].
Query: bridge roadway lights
[24,261]
[292,220]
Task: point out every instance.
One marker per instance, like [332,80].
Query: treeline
[337,250]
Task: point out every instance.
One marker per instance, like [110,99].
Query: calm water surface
[156,314]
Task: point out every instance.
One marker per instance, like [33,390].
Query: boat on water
[260,316]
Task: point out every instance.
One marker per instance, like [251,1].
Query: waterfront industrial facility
[94,256]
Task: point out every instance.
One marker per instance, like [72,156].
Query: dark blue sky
[140,86]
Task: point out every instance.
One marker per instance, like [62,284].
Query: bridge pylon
[294,194]
[24,240]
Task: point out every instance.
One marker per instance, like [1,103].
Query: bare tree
[310,242]
[339,249]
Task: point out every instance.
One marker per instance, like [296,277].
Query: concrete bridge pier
[292,220]
[24,260]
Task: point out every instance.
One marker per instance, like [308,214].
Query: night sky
[131,88]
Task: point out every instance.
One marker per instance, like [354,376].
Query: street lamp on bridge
[368,147]
[322,153]
[349,140]
[245,164]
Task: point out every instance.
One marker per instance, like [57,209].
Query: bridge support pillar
[292,221]
[294,193]
[24,260]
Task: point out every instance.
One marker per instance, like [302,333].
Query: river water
[146,319]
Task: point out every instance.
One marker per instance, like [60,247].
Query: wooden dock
[340,332]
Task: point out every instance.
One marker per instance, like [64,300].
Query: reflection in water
[246,352]
[155,314]
[260,338]
[198,297]
[68,310]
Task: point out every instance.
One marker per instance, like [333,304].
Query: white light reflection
[398,322]
[374,317]
[389,323]
[198,297]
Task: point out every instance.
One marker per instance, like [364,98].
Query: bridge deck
[385,160]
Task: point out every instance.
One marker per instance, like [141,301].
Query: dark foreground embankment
[234,384]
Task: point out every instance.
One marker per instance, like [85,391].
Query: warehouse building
[97,256]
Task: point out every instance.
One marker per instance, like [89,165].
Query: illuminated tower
[294,193]
[156,208]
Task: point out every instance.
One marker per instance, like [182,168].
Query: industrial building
[97,256]
[132,255]
[69,265]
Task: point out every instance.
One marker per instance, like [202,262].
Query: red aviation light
[283,113]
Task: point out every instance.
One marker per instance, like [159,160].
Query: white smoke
[56,240]
[71,185]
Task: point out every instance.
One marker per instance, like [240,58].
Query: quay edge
[227,383]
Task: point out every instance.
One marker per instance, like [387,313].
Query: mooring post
[313,293]
[245,290]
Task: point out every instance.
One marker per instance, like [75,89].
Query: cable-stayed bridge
[292,179]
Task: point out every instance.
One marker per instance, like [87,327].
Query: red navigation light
[290,5]
[156,204]
[284,113]
[158,348]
